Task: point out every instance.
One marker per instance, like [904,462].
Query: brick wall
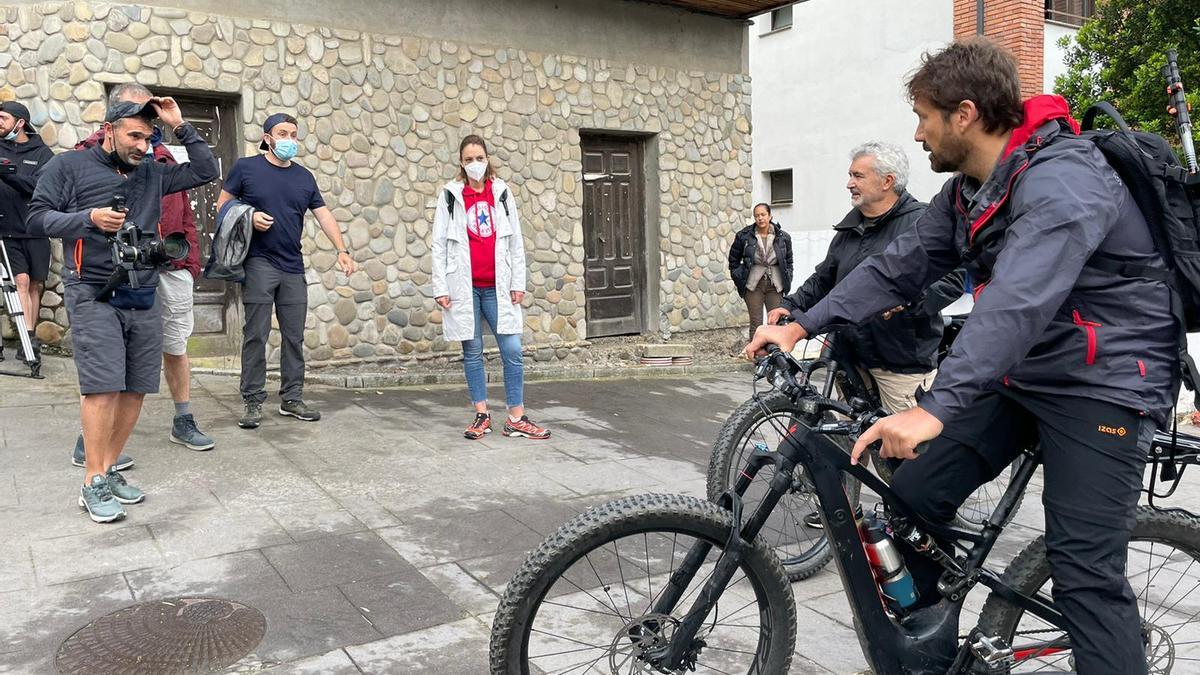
[1016,24]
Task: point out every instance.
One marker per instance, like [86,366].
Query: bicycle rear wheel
[1163,569]
[802,548]
[584,601]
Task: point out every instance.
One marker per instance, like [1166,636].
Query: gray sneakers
[299,410]
[123,461]
[98,500]
[122,490]
[185,432]
[252,417]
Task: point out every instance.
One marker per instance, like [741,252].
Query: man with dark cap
[281,192]
[22,157]
[175,293]
[118,341]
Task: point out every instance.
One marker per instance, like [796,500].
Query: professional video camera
[133,250]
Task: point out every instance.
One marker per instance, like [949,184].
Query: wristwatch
[342,250]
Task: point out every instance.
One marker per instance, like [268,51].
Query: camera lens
[175,246]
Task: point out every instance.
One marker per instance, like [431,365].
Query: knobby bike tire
[649,513]
[1029,571]
[729,444]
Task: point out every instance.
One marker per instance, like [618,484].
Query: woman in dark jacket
[760,263]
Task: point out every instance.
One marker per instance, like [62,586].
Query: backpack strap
[1102,108]
[1126,268]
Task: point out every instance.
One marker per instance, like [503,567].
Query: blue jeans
[510,353]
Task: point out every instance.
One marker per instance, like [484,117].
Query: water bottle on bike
[895,582]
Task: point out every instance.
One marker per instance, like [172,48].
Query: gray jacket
[231,242]
[1044,320]
[74,183]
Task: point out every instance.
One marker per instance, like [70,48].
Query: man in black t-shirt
[281,192]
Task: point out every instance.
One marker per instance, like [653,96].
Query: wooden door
[614,236]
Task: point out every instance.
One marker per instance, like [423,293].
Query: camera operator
[22,157]
[118,342]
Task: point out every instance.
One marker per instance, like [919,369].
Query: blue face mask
[285,149]
[12,135]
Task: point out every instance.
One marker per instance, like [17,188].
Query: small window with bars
[1070,12]
[781,186]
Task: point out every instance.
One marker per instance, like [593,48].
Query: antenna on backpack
[1178,108]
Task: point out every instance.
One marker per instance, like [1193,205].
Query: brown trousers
[759,300]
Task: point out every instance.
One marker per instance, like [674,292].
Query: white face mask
[476,170]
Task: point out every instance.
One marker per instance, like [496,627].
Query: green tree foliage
[1118,54]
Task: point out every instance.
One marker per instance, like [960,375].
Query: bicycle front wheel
[586,601]
[1163,568]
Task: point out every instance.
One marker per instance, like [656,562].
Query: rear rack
[1171,453]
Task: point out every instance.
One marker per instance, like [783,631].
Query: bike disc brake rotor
[641,643]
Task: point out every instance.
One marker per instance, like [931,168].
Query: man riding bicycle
[1057,348]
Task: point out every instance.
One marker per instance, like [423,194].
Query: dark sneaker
[121,490]
[252,417]
[299,410]
[482,425]
[813,519]
[523,427]
[185,433]
[123,461]
[98,500]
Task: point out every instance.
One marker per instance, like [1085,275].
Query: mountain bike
[675,584]
[762,422]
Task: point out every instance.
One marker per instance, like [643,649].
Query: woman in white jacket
[478,276]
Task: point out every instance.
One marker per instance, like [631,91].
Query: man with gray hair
[897,350]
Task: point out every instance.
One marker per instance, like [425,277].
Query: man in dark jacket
[174,297]
[1057,348]
[22,157]
[118,343]
[898,348]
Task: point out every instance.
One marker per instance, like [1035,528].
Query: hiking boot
[299,410]
[252,417]
[98,500]
[121,490]
[185,433]
[482,425]
[523,427]
[813,519]
[77,458]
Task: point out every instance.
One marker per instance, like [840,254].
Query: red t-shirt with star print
[482,234]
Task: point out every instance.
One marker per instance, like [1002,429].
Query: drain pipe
[979,17]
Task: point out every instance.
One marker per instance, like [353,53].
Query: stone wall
[380,118]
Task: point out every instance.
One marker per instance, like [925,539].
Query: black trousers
[1093,458]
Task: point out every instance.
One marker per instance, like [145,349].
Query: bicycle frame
[924,641]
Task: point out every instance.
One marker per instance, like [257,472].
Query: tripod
[12,303]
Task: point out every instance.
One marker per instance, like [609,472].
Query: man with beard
[117,343]
[1061,348]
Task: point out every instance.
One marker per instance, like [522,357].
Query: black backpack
[449,196]
[1169,198]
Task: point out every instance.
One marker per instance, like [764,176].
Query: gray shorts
[266,285]
[175,302]
[116,350]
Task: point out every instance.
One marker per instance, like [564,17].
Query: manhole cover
[177,635]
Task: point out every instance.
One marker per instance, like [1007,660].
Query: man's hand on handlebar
[785,337]
[774,316]
[901,434]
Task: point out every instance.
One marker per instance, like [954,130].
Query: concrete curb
[582,372]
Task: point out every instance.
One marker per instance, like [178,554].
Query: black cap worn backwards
[20,112]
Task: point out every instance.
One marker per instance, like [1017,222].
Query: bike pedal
[994,653]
